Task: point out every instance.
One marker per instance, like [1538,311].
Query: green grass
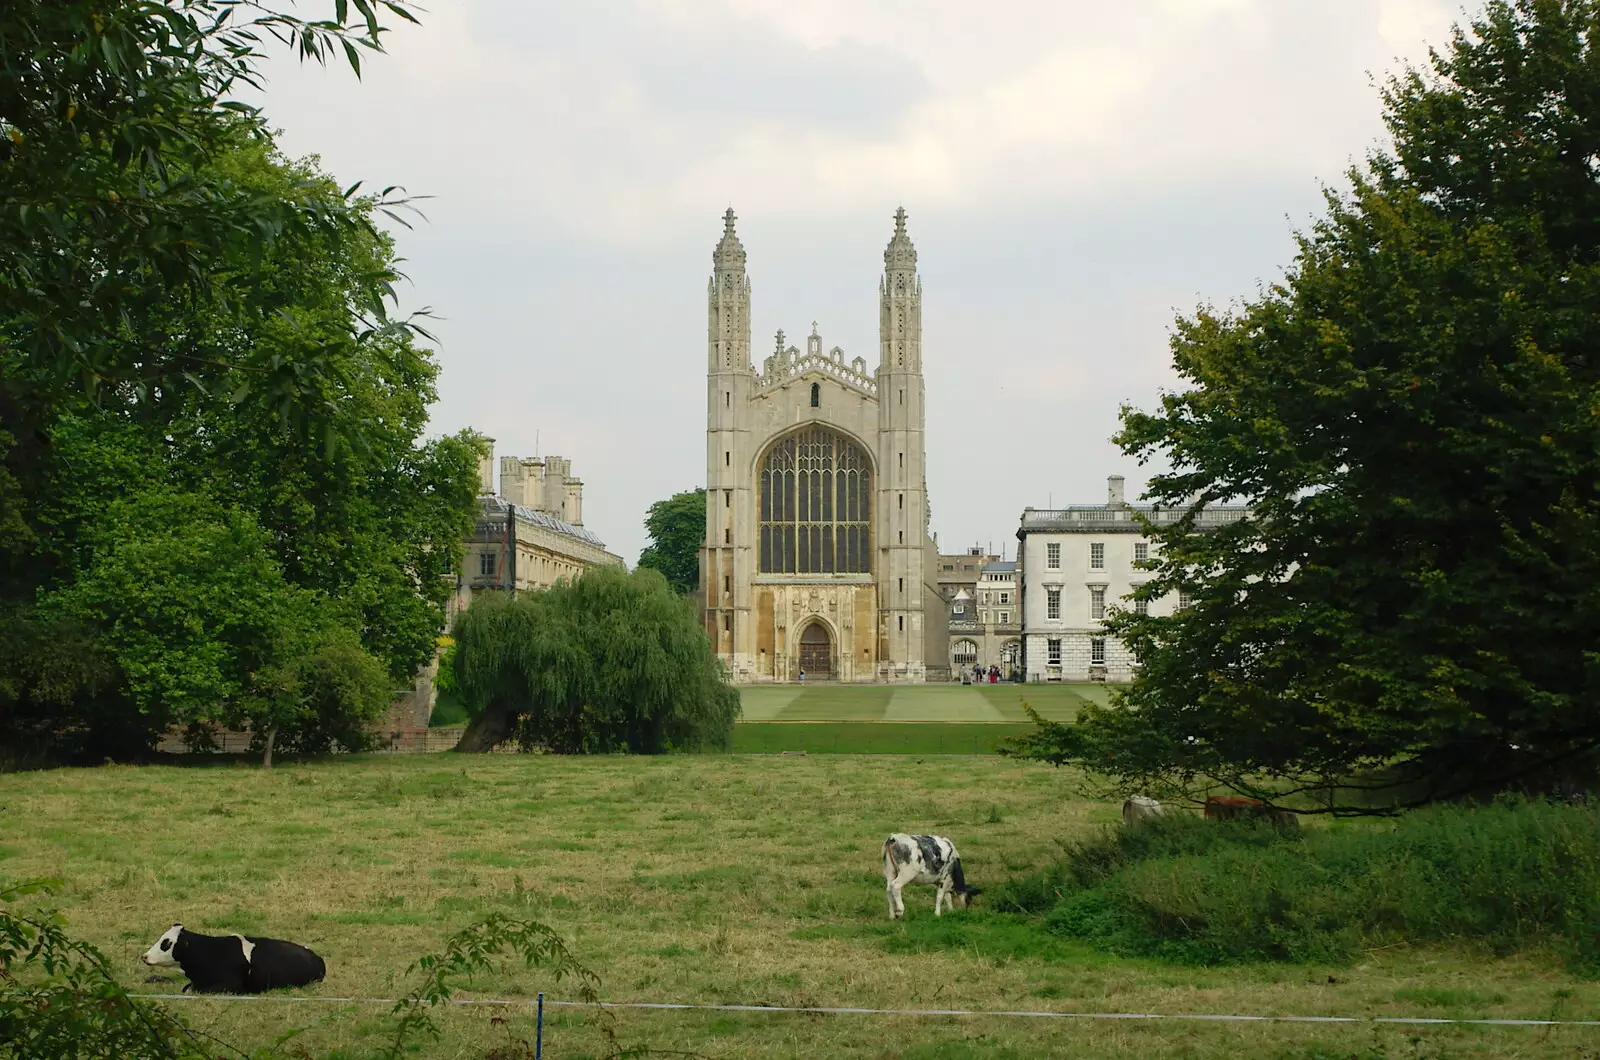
[700,879]
[972,704]
[871,738]
[1502,878]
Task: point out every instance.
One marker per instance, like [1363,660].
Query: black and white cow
[234,964]
[924,859]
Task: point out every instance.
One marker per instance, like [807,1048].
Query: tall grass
[1504,877]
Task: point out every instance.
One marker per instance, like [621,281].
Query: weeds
[1504,877]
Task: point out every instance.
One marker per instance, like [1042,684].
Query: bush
[1504,877]
[607,662]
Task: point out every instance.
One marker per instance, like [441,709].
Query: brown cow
[1237,807]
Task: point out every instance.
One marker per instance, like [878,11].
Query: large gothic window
[816,506]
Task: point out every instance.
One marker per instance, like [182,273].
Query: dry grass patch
[705,879]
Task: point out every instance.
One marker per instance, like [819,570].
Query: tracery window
[816,506]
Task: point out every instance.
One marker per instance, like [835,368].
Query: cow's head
[965,896]
[161,952]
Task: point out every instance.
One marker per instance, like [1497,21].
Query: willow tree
[1414,415]
[608,662]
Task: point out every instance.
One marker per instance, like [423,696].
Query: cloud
[1077,173]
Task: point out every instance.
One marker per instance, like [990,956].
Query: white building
[1073,565]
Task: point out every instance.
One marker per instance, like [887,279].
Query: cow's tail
[890,869]
[957,877]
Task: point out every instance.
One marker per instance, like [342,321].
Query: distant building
[986,621]
[531,534]
[960,571]
[1076,562]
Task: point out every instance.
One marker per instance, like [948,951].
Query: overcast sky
[1076,174]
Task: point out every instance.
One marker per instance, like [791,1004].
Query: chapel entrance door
[816,652]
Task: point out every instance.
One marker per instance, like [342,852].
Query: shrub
[1503,877]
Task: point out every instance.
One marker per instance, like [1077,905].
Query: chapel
[818,564]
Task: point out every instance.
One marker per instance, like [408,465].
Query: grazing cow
[1137,808]
[925,859]
[1238,807]
[234,964]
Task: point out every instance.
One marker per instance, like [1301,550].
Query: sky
[1077,175]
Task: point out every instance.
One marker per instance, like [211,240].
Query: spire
[900,255]
[728,326]
[900,302]
[729,255]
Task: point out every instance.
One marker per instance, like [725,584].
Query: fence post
[538,1030]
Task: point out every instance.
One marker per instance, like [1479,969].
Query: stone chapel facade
[818,558]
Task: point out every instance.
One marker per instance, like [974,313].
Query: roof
[1006,567]
[1101,518]
[497,506]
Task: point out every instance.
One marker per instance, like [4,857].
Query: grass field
[700,879]
[971,704]
[872,737]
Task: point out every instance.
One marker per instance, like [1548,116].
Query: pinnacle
[901,254]
[729,254]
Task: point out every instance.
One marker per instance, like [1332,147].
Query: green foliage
[1412,414]
[111,112]
[1508,876]
[677,529]
[58,998]
[610,661]
[471,951]
[270,543]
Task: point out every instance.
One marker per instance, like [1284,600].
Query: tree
[610,661]
[109,113]
[677,529]
[1414,414]
[229,353]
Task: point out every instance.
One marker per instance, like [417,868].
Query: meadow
[710,879]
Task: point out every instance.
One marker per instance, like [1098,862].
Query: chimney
[486,471]
[573,512]
[1114,495]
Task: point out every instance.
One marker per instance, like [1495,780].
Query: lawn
[697,879]
[872,737]
[973,704]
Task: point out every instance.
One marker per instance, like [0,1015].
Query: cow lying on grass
[234,964]
[1238,807]
[931,859]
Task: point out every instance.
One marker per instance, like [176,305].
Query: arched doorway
[816,651]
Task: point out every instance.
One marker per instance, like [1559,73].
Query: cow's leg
[889,889]
[938,898]
[897,887]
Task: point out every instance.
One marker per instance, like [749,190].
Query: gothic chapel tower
[817,563]
[902,483]
[725,567]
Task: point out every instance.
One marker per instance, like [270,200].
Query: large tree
[228,397]
[677,529]
[1414,414]
[610,661]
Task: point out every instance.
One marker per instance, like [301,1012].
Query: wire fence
[823,1010]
